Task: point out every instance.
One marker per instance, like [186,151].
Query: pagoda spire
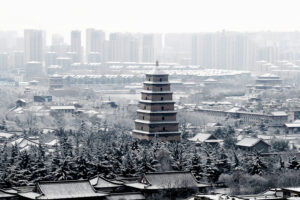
[156,69]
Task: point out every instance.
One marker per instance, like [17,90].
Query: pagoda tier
[156,117]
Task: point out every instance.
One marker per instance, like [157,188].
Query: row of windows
[162,108]
[163,118]
[161,89]
[161,98]
[159,79]
[164,129]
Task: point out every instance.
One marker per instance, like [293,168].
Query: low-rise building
[205,138]
[253,144]
[63,109]
[81,189]
[167,184]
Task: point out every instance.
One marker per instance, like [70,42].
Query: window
[146,98]
[164,129]
[162,108]
[160,79]
[163,118]
[161,98]
[145,107]
[143,117]
[142,128]
[161,89]
[149,79]
[147,88]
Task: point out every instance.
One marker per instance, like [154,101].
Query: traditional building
[81,189]
[168,185]
[156,117]
[253,144]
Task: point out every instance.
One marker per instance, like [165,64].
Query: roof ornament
[156,68]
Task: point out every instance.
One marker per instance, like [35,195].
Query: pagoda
[156,117]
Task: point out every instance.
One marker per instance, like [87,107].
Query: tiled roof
[100,182]
[63,190]
[249,142]
[167,180]
[201,137]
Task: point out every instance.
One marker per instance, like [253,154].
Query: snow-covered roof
[62,107]
[249,142]
[4,195]
[100,182]
[6,135]
[67,189]
[233,110]
[295,124]
[166,180]
[279,113]
[52,143]
[295,189]
[23,142]
[21,100]
[210,80]
[201,137]
[268,75]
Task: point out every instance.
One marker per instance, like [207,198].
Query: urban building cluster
[258,51]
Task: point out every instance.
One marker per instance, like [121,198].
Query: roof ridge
[63,181]
[110,181]
[167,172]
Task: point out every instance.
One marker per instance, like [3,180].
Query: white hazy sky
[61,16]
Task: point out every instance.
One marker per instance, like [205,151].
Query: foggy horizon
[155,17]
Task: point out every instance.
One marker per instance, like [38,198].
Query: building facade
[34,42]
[76,45]
[156,117]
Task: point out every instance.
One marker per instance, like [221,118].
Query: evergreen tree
[196,167]
[257,166]
[293,163]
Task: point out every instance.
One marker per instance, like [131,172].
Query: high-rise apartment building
[94,42]
[3,62]
[76,45]
[124,47]
[151,47]
[18,59]
[34,42]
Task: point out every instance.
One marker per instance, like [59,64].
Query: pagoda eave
[156,133]
[155,122]
[156,83]
[156,92]
[156,102]
[157,112]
